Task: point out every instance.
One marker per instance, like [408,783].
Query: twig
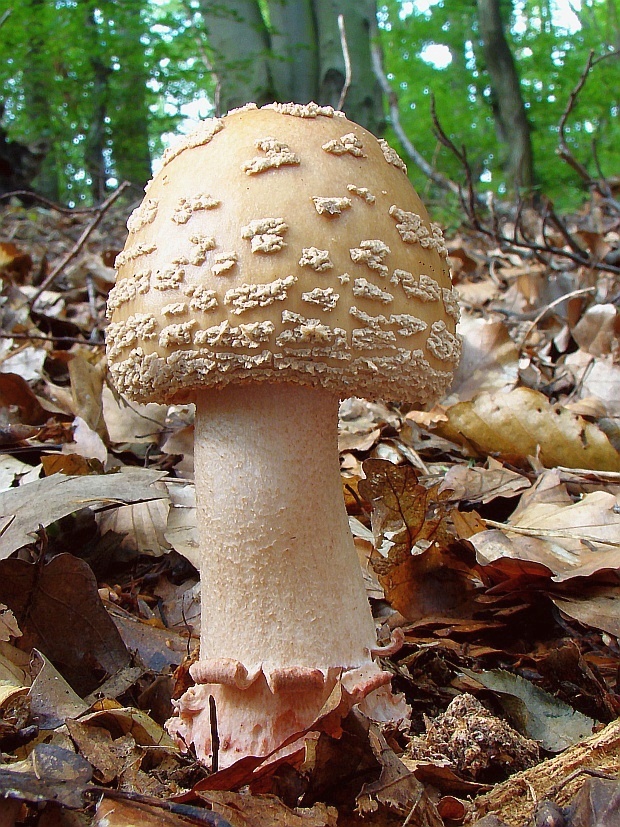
[74,340]
[101,211]
[347,60]
[215,738]
[563,149]
[5,16]
[557,533]
[51,204]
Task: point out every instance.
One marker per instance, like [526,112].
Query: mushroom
[280,261]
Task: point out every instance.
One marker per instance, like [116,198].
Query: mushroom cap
[284,243]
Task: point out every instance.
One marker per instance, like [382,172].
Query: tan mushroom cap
[282,243]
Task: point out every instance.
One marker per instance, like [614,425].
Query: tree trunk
[239,41]
[363,102]
[95,124]
[294,60]
[508,108]
[295,55]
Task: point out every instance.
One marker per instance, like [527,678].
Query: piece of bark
[514,801]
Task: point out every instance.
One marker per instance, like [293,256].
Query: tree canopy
[95,87]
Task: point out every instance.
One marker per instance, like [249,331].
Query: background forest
[91,90]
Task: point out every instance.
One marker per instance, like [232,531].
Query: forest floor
[488,529]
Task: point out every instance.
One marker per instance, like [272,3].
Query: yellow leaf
[524,423]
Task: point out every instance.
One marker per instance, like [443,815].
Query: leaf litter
[487,529]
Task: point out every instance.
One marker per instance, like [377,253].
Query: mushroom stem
[284,609]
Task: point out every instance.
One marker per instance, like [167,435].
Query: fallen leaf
[157,648]
[44,501]
[86,442]
[396,788]
[594,605]
[482,484]
[59,611]
[27,362]
[142,525]
[597,377]
[129,422]
[127,720]
[401,509]
[52,700]
[140,811]
[181,531]
[524,423]
[245,810]
[50,773]
[106,755]
[597,804]
[18,403]
[598,329]
[8,625]
[87,382]
[489,360]
[11,470]
[535,713]
[573,540]
[14,263]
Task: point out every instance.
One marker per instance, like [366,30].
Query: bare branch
[564,150]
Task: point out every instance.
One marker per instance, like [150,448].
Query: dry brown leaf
[128,422]
[482,484]
[397,788]
[52,700]
[573,540]
[50,773]
[489,362]
[245,810]
[14,263]
[26,362]
[524,423]
[86,387]
[597,377]
[118,813]
[593,605]
[8,625]
[400,515]
[127,720]
[43,502]
[107,756]
[59,611]
[143,524]
[598,329]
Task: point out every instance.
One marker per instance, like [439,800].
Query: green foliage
[98,83]
[550,59]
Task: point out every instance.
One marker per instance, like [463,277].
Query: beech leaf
[42,502]
[524,423]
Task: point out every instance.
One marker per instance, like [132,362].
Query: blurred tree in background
[90,91]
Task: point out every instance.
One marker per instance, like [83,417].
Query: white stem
[281,581]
